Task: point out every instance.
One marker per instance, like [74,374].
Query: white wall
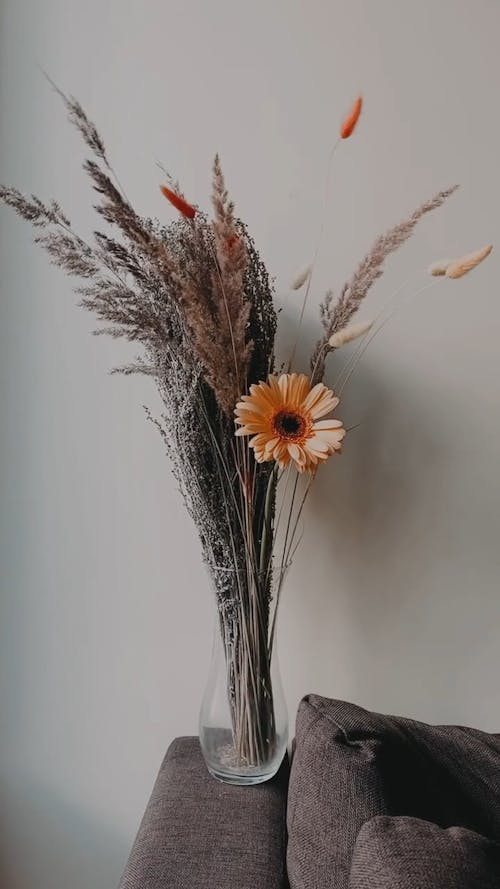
[393,601]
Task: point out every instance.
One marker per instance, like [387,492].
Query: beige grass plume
[349,333]
[300,278]
[460,267]
[335,317]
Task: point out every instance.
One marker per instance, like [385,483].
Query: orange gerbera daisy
[283,418]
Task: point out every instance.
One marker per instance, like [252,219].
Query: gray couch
[370,802]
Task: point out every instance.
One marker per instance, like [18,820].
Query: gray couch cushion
[399,853]
[351,764]
[335,786]
[200,834]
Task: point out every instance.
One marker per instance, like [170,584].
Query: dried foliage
[350,123]
[465,264]
[336,317]
[33,209]
[349,334]
[197,297]
[178,201]
[87,129]
[301,277]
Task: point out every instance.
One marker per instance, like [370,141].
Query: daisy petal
[316,392]
[324,405]
[317,446]
[327,424]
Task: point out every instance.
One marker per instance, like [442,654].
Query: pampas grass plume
[301,278]
[460,267]
[349,333]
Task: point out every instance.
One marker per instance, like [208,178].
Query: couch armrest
[197,833]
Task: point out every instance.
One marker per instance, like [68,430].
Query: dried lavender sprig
[263,321]
[369,270]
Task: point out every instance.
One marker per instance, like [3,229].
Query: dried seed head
[439,268]
[178,202]
[460,267]
[350,333]
[300,278]
[350,122]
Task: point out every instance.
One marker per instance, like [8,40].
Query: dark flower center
[289,425]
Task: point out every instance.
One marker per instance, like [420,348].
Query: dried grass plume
[300,278]
[336,316]
[460,267]
[178,202]
[349,334]
[438,268]
[351,121]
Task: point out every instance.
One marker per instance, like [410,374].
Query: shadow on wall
[376,502]
[52,844]
[393,471]
[402,551]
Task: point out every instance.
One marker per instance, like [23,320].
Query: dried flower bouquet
[244,439]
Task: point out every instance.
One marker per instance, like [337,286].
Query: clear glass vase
[243,718]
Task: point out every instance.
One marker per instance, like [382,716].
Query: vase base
[242,780]
[226,765]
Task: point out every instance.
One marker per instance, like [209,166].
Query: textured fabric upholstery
[351,765]
[335,786]
[200,834]
[399,853]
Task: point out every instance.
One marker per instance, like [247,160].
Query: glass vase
[243,718]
